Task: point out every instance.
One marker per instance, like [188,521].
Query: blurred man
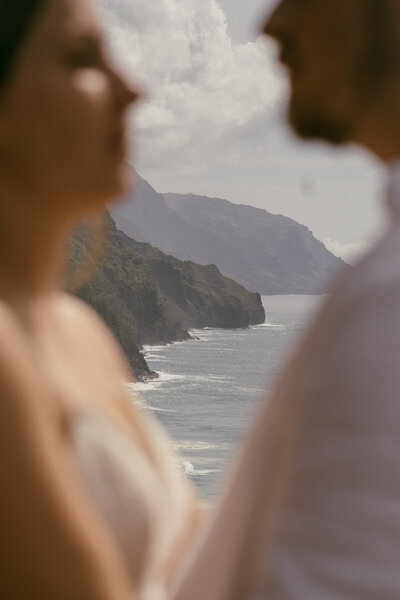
[344,66]
[338,535]
[313,508]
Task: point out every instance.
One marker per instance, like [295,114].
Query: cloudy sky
[213,120]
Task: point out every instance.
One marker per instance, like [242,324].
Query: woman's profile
[92,505]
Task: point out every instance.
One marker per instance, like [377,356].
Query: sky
[213,119]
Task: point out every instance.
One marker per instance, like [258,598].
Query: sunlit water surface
[209,387]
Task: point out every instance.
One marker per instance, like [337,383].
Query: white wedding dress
[143,501]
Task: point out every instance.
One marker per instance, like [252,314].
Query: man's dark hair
[16,18]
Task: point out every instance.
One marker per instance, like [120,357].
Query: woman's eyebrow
[83,32]
[86,40]
[87,37]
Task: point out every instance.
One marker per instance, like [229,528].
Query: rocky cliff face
[147,297]
[267,253]
[198,296]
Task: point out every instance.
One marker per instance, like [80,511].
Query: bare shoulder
[14,351]
[10,328]
[57,547]
[77,312]
[89,328]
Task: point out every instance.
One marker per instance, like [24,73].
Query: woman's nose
[133,93]
[125,92]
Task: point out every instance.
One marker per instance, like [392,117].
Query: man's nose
[278,22]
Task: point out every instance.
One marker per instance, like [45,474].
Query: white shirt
[339,525]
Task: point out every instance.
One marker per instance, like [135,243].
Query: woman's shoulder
[88,327]
[14,350]
[74,309]
[23,391]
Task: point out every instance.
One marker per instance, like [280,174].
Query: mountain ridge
[266,253]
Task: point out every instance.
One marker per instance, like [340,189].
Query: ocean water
[210,387]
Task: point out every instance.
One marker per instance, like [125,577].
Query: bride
[91,503]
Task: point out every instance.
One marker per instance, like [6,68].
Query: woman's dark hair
[16,18]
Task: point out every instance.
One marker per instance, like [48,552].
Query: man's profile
[343,60]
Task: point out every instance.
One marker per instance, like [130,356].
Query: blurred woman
[92,505]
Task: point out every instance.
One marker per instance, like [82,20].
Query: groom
[343,59]
[337,534]
[313,508]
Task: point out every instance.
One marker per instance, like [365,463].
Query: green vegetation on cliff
[147,297]
[267,253]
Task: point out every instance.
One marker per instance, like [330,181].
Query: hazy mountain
[147,297]
[267,253]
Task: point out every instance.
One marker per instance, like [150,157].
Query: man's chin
[311,126]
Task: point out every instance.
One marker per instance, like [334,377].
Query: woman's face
[63,111]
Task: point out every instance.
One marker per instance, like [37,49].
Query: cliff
[147,297]
[196,295]
[267,253]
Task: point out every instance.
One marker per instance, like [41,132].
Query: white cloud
[215,122]
[200,85]
[349,252]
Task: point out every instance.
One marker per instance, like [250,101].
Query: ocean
[210,387]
